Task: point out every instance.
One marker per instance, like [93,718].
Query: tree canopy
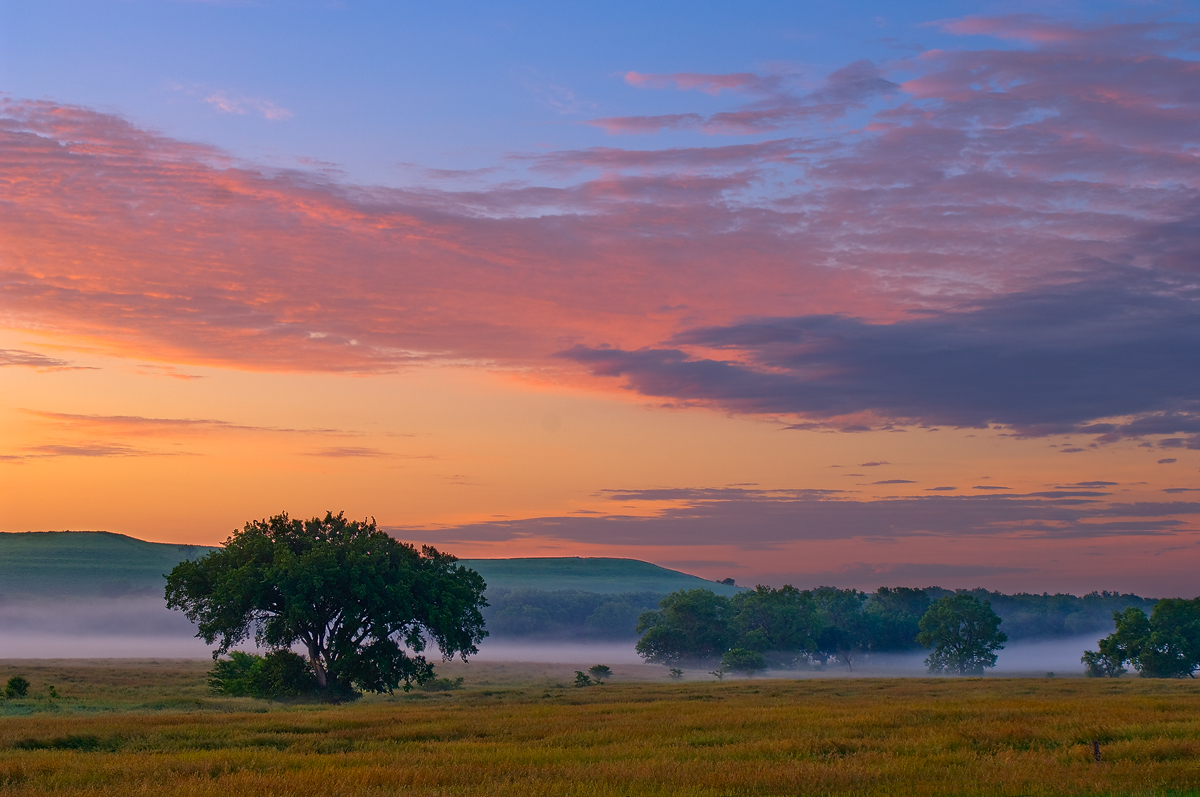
[363,605]
[1164,645]
[785,625]
[964,634]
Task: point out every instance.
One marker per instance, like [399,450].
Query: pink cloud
[993,172]
[778,106]
[709,84]
[229,102]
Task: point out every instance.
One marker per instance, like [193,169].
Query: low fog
[141,627]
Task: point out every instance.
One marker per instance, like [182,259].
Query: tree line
[788,627]
[583,615]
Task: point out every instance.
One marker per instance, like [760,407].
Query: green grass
[532,735]
[49,564]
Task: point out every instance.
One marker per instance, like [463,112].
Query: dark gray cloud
[755,519]
[1049,360]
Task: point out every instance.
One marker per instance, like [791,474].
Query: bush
[582,680]
[16,688]
[675,674]
[442,685]
[600,672]
[744,661]
[279,674]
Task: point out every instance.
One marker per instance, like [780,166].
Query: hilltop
[101,563]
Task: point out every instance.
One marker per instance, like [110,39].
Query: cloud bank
[1005,235]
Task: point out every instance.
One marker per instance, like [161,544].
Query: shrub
[744,661]
[442,685]
[581,679]
[16,688]
[600,672]
[676,674]
[279,674]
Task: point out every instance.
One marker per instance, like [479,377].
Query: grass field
[152,727]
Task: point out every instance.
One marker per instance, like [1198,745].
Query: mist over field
[141,627]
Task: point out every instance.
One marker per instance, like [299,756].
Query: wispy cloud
[228,102]
[139,425]
[30,359]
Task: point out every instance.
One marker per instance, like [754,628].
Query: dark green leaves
[363,605]
[964,634]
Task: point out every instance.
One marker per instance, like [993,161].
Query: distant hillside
[86,563]
[100,563]
[607,576]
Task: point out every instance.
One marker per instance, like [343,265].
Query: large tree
[690,626]
[363,605]
[964,633]
[1165,645]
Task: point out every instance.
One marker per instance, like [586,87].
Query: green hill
[589,575]
[86,563]
[100,563]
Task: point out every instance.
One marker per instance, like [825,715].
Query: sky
[815,293]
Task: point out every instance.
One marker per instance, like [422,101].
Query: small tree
[362,604]
[582,679]
[675,674]
[1099,665]
[600,672]
[964,633]
[16,688]
[747,662]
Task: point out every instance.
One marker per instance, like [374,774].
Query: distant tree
[600,672]
[781,623]
[740,660]
[846,631]
[1102,665]
[1164,645]
[690,625]
[582,679]
[363,605]
[16,688]
[613,620]
[675,674]
[964,634]
[893,617]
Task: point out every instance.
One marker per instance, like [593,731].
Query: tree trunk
[314,655]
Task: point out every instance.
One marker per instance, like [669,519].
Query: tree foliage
[363,605]
[279,674]
[689,626]
[740,660]
[16,688]
[1164,645]
[787,626]
[964,634]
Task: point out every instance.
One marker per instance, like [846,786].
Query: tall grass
[760,737]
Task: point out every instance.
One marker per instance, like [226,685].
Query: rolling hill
[101,563]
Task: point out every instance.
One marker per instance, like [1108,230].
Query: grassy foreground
[151,727]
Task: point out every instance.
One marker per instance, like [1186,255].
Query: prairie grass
[129,728]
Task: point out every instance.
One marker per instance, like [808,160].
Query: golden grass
[761,737]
